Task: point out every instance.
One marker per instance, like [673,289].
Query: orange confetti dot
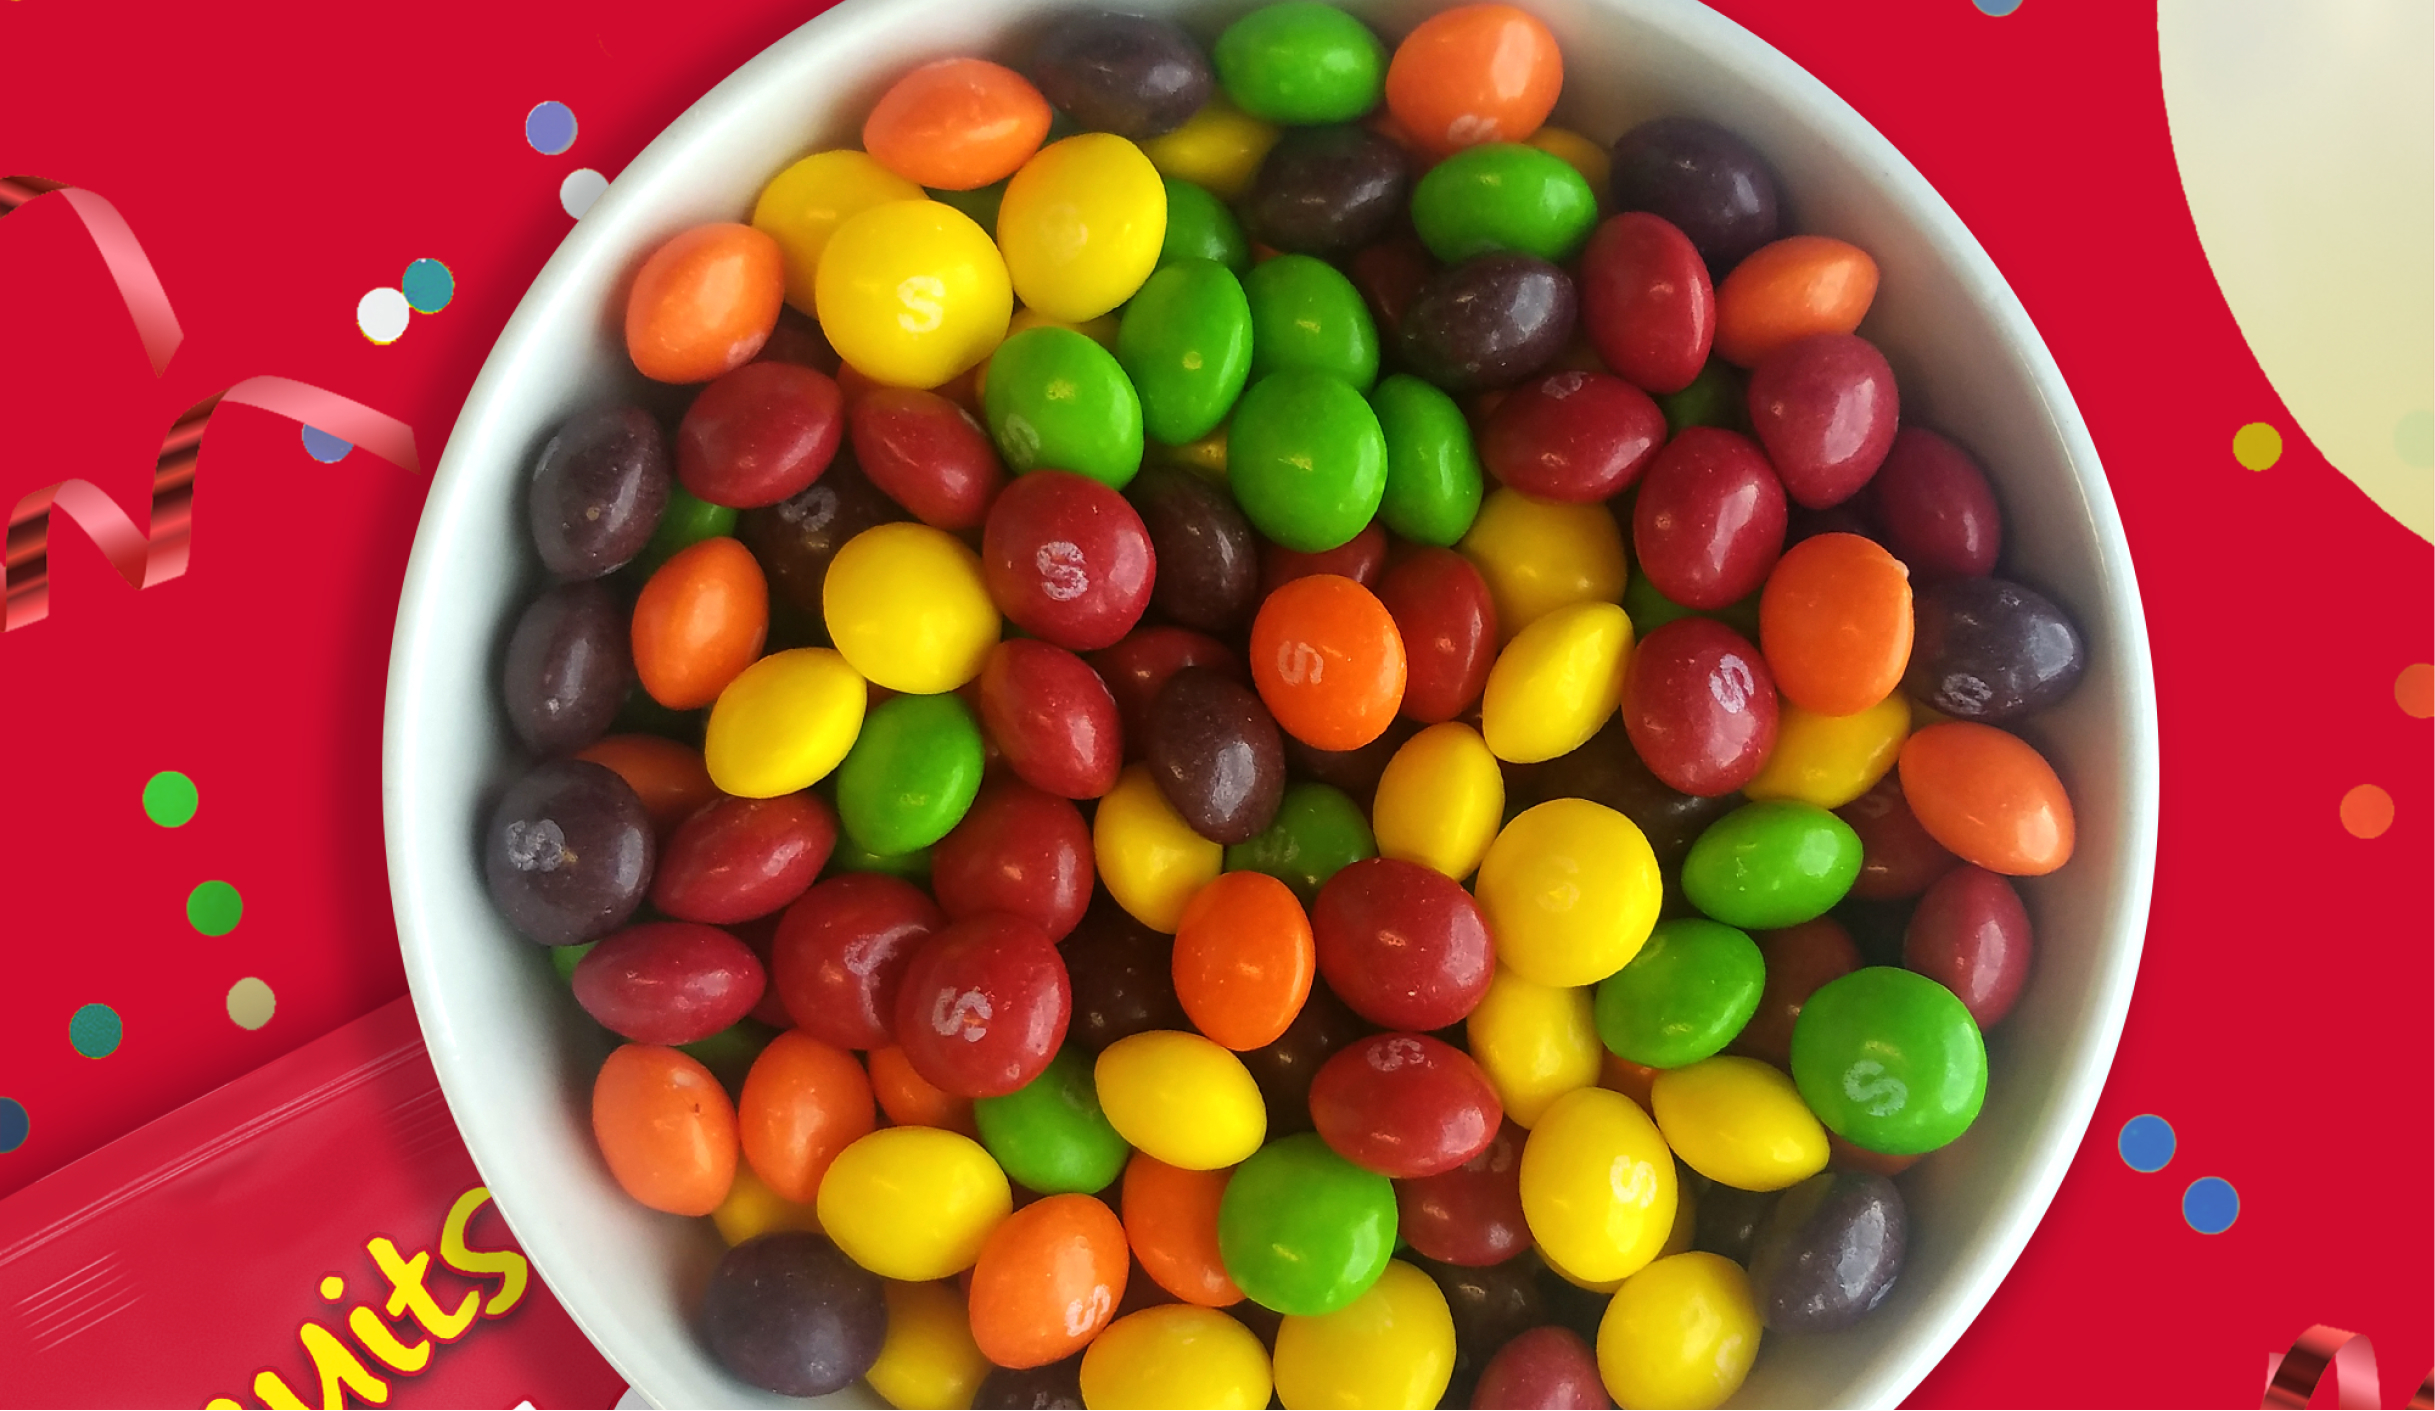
[2367,811]
[2415,689]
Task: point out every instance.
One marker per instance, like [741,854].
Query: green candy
[1302,1231]
[1301,63]
[1186,341]
[850,856]
[1318,832]
[1306,459]
[1684,996]
[1890,1061]
[1049,1134]
[730,1052]
[1771,864]
[687,521]
[1057,400]
[980,203]
[1433,471]
[1305,314]
[912,772]
[1503,196]
[1650,609]
[1714,398]
[1199,227]
[564,959]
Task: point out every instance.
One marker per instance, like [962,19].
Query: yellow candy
[1181,1098]
[1598,1186]
[1081,225]
[1582,155]
[1686,1217]
[784,723]
[1739,1121]
[1538,556]
[912,293]
[1568,1276]
[752,1208]
[1535,1042]
[803,205]
[907,607]
[1205,457]
[1391,1347]
[929,1359]
[1100,330]
[1682,1332]
[1219,147]
[1556,682]
[913,1203]
[1830,760]
[1176,1355]
[1570,891]
[1148,856]
[1440,801]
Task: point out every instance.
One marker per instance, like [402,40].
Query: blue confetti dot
[1997,8]
[550,127]
[2146,1143]
[2210,1205]
[324,447]
[14,1124]
[429,286]
[95,1031]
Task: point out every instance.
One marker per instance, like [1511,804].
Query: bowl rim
[2080,1075]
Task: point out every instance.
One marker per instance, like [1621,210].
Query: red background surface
[279,161]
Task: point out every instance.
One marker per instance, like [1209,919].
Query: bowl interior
[516,1056]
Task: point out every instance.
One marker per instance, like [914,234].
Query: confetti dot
[1998,8]
[2414,438]
[2257,445]
[2146,1142]
[382,315]
[251,1003]
[95,1031]
[14,1124]
[2367,811]
[214,908]
[429,286]
[550,127]
[169,798]
[333,1287]
[2210,1205]
[580,189]
[2415,689]
[324,447]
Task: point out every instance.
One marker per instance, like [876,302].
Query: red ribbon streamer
[158,552]
[2349,1358]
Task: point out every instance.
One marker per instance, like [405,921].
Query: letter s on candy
[511,1267]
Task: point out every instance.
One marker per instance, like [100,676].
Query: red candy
[759,434]
[668,982]
[1938,511]
[1052,719]
[1404,1105]
[1361,558]
[1646,302]
[1970,934]
[1825,408]
[1897,857]
[1549,1369]
[1068,559]
[1403,945]
[1572,436]
[1799,960]
[927,454]
[1019,850]
[840,955]
[1708,523]
[736,858]
[1700,707]
[1448,622]
[1471,1214]
[984,1006]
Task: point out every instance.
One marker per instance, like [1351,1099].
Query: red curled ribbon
[158,552]
[2350,1359]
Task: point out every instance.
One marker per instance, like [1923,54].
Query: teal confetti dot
[429,286]
[2210,1205]
[2414,439]
[2146,1142]
[95,1031]
[1997,8]
[14,1124]
[550,127]
[170,799]
[214,908]
[324,447]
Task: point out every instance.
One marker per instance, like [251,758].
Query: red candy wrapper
[313,1234]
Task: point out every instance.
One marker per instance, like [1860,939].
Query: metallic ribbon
[2350,1359]
[158,552]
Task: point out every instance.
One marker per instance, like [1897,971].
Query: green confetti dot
[95,1031]
[214,908]
[2414,439]
[170,798]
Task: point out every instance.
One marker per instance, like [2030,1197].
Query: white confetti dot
[382,315]
[251,1003]
[580,189]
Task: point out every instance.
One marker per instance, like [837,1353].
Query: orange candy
[699,622]
[1244,959]
[666,1129]
[957,124]
[909,1099]
[1473,74]
[704,303]
[1328,661]
[670,778]
[1634,1080]
[804,1101]
[1797,286]
[1988,797]
[1835,623]
[1171,1219]
[1049,1278]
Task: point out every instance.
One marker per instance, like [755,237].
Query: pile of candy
[1148,848]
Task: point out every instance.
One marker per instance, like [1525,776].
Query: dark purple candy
[569,663]
[1055,1387]
[1825,408]
[1488,322]
[1355,772]
[1829,1252]
[1987,650]
[789,1313]
[1712,184]
[796,538]
[1938,510]
[1125,74]
[1217,755]
[1728,1219]
[1284,1069]
[1608,771]
[1123,977]
[598,491]
[568,852]
[1327,190]
[1208,557]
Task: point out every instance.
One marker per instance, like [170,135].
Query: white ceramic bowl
[515,1055]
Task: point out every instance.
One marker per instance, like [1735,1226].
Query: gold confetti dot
[2415,689]
[2367,811]
[251,1003]
[2257,445]
[333,1287]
